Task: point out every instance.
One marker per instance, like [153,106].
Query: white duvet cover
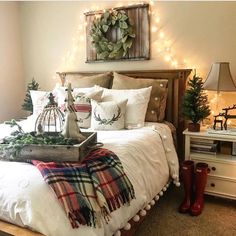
[149,160]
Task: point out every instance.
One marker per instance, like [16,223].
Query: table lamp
[220,79]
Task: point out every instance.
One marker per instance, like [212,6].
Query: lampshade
[220,78]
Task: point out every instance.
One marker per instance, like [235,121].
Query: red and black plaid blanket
[91,189]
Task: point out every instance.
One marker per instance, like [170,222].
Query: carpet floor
[217,219]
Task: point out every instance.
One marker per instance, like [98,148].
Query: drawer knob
[213,168]
[213,185]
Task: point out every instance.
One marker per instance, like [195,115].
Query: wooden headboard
[176,87]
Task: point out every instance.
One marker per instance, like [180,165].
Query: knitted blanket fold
[89,190]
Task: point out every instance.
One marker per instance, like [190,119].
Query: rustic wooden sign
[139,19]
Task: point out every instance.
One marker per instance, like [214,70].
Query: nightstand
[222,167]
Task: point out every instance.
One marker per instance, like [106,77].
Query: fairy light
[157,20]
[154,29]
[174,63]
[151,2]
[161,35]
[168,49]
[167,58]
[81,38]
[163,45]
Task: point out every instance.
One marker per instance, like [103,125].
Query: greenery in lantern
[27,105]
[105,48]
[195,102]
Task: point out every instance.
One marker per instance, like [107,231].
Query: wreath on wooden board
[105,48]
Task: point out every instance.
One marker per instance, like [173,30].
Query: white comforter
[148,157]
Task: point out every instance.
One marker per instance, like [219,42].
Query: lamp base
[194,127]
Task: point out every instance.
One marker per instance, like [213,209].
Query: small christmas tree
[27,105]
[195,103]
[71,128]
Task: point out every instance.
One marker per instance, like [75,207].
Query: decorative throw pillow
[60,93]
[136,107]
[103,80]
[84,108]
[108,115]
[83,97]
[39,100]
[157,104]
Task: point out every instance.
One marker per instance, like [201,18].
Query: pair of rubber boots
[194,183]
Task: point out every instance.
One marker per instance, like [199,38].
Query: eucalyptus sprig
[13,123]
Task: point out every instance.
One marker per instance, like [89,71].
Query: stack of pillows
[128,104]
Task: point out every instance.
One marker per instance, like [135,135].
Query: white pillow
[108,115]
[39,100]
[137,103]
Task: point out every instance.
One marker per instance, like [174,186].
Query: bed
[147,154]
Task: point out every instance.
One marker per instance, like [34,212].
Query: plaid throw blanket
[91,189]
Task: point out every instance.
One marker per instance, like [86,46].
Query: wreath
[105,48]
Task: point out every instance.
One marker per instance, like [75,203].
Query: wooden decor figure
[71,128]
[226,116]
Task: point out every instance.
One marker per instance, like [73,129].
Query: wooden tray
[59,153]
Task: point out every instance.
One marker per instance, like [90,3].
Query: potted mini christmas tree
[27,105]
[195,103]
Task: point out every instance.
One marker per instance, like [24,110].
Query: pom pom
[136,218]
[152,202]
[157,197]
[127,226]
[161,193]
[117,233]
[174,176]
[177,183]
[143,213]
[167,185]
[148,207]
[164,189]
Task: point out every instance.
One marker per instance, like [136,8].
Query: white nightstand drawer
[222,176]
[219,169]
[218,186]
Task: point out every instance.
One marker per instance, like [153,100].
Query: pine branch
[28,105]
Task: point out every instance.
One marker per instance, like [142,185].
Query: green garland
[10,147]
[100,27]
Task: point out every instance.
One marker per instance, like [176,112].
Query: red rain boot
[200,184]
[187,171]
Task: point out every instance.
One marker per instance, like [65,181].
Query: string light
[161,35]
[154,29]
[151,2]
[163,45]
[167,58]
[157,20]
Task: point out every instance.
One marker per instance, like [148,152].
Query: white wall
[202,32]
[11,77]
[49,37]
